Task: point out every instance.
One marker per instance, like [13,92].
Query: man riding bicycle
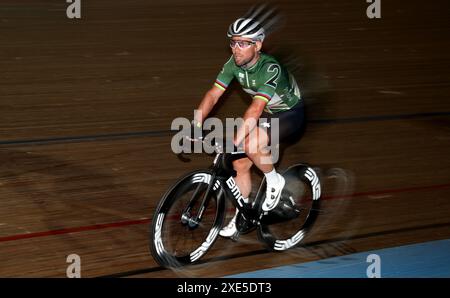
[275,96]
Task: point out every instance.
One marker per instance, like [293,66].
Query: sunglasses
[242,44]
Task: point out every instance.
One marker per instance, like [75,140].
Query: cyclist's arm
[208,102]
[251,118]
[212,96]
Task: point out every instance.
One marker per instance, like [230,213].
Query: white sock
[272,177]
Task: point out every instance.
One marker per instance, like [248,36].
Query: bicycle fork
[186,218]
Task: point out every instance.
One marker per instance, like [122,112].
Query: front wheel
[176,238]
[287,225]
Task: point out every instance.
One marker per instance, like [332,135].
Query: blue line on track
[155,133]
[87,138]
[379,118]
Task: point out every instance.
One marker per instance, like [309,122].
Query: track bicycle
[191,213]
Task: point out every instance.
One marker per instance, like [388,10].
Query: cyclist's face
[245,51]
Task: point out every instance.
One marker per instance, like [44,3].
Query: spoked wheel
[177,238]
[286,225]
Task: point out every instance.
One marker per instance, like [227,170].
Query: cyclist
[275,95]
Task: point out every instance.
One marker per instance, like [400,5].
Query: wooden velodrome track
[86,107]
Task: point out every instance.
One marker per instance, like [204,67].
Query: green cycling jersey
[266,80]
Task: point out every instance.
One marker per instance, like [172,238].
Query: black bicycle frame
[222,171]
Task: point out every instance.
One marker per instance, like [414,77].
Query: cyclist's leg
[244,182]
[290,126]
[243,178]
[256,148]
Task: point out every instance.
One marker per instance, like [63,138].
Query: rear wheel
[176,238]
[287,225]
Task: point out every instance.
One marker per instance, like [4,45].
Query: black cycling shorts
[291,124]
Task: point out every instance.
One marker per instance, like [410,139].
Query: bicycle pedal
[235,236]
[243,225]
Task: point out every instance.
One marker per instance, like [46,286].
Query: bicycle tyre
[161,251]
[309,178]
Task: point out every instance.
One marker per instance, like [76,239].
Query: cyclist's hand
[196,133]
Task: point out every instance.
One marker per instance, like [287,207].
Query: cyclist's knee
[256,147]
[256,143]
